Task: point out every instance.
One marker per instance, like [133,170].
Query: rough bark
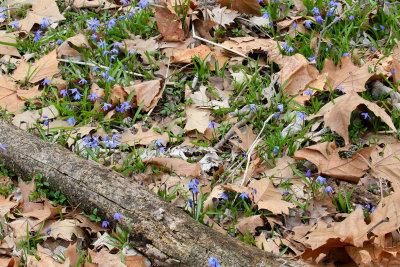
[164,233]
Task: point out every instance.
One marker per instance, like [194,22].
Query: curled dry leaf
[65,229]
[28,118]
[45,67]
[337,115]
[149,92]
[10,50]
[249,224]
[12,98]
[168,23]
[143,138]
[65,49]
[243,6]
[43,258]
[386,164]
[349,76]
[179,166]
[41,9]
[197,119]
[6,204]
[185,56]
[328,161]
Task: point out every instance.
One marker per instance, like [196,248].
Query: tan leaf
[135,261]
[143,138]
[266,245]
[276,206]
[296,74]
[8,49]
[349,76]
[168,23]
[47,212]
[222,16]
[179,166]
[41,9]
[386,164]
[265,190]
[66,229]
[6,204]
[185,56]
[105,259]
[140,46]
[337,115]
[93,3]
[26,190]
[386,217]
[9,98]
[45,67]
[328,161]
[238,189]
[282,168]
[396,67]
[88,224]
[118,95]
[243,6]
[215,193]
[249,224]
[149,92]
[44,259]
[197,119]
[66,50]
[71,254]
[247,138]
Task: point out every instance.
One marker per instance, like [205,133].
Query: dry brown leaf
[337,115]
[238,189]
[25,204]
[92,3]
[20,226]
[41,9]
[265,190]
[140,46]
[249,224]
[349,76]
[6,204]
[149,92]
[246,138]
[66,229]
[28,118]
[185,56]
[143,138]
[197,119]
[135,261]
[179,166]
[65,49]
[45,67]
[215,193]
[396,67]
[45,259]
[296,74]
[243,6]
[276,206]
[168,23]
[328,161]
[266,245]
[386,164]
[282,168]
[71,254]
[105,259]
[222,16]
[386,215]
[8,49]
[47,212]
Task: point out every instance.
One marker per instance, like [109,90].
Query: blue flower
[92,96]
[372,209]
[94,37]
[252,107]
[315,11]
[117,216]
[143,4]
[110,79]
[102,44]
[111,23]
[63,92]
[74,90]
[346,54]
[48,230]
[161,149]
[243,196]
[45,23]
[195,190]
[213,262]
[393,71]
[301,115]
[14,24]
[105,224]
[37,36]
[365,115]
[159,142]
[382,27]
[46,82]
[329,189]
[106,106]
[190,202]
[290,49]
[93,24]
[212,125]
[340,88]
[276,149]
[321,180]
[77,96]
[373,49]
[330,12]
[308,24]
[294,25]
[351,17]
[308,174]
[308,92]
[3,146]
[224,196]
[333,4]
[266,15]
[319,19]
[71,121]
[59,41]
[124,2]
[82,81]
[280,107]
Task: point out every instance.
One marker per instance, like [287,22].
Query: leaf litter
[171,99]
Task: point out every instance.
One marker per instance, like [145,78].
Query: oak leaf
[149,92]
[66,229]
[386,164]
[197,119]
[10,50]
[222,16]
[243,6]
[186,55]
[246,138]
[104,4]
[249,224]
[349,76]
[65,49]
[45,67]
[168,23]
[337,115]
[41,9]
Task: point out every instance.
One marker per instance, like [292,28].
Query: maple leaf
[337,115]
[41,9]
[349,76]
[328,161]
[45,67]
[386,164]
[168,23]
[386,217]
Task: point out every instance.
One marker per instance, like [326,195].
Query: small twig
[216,44]
[329,26]
[94,65]
[231,132]
[376,225]
[253,145]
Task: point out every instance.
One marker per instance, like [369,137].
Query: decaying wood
[164,233]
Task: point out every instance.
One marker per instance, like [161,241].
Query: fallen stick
[161,231]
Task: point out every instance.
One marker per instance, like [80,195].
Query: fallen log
[164,233]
